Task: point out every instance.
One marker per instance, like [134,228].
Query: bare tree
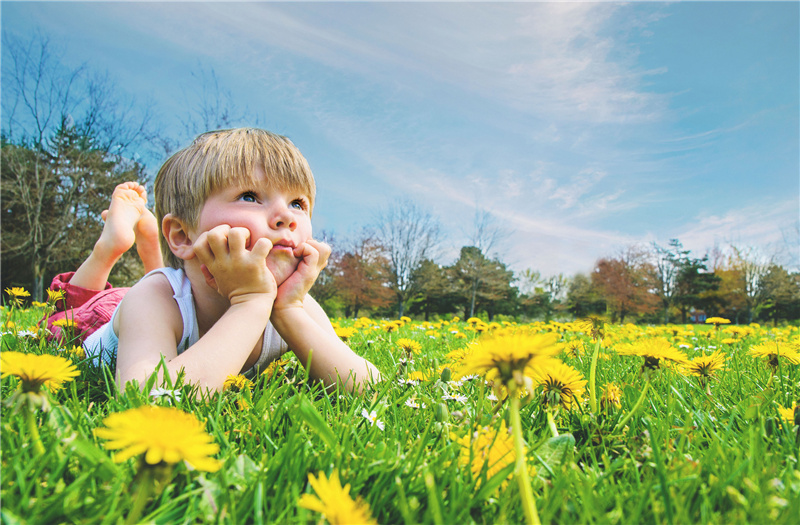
[409,235]
[66,143]
[752,265]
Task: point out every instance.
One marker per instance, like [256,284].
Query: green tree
[480,283]
[435,295]
[583,298]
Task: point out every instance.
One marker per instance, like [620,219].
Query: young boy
[235,214]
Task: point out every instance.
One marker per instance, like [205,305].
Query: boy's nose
[283,219]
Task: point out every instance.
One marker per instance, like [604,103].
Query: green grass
[683,457]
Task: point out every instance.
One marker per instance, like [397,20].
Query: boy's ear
[177,234]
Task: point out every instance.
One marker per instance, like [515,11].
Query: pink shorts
[89,309]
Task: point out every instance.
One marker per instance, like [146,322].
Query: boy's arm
[309,333]
[305,326]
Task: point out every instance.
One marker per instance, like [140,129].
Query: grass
[682,457]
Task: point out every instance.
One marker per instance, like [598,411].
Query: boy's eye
[299,204]
[248,196]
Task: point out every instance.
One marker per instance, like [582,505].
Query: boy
[235,214]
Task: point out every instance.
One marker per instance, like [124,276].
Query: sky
[580,128]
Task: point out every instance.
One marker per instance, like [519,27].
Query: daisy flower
[372,417]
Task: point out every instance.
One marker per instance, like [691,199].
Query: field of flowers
[473,422]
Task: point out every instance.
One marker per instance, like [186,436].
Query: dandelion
[17,293]
[716,321]
[655,352]
[53,296]
[772,351]
[345,333]
[788,414]
[273,367]
[237,383]
[372,417]
[162,434]
[334,501]
[76,352]
[592,326]
[35,371]
[705,366]
[611,397]
[506,359]
[409,346]
[561,384]
[417,375]
[488,449]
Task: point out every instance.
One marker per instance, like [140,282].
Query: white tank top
[103,343]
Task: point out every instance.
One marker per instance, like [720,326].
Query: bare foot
[128,204]
[147,241]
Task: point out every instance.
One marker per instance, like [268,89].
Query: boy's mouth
[286,246]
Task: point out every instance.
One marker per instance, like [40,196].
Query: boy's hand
[313,257]
[230,268]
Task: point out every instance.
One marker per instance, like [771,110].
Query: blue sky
[582,128]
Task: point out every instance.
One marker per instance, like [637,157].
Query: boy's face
[280,216]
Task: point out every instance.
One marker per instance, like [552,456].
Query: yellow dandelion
[416,375]
[273,367]
[716,321]
[774,350]
[54,296]
[592,326]
[345,333]
[611,397]
[237,383]
[705,365]
[37,304]
[473,320]
[655,351]
[573,348]
[65,323]
[76,352]
[508,358]
[788,414]
[409,346]
[405,319]
[487,448]
[561,385]
[16,292]
[162,434]
[36,370]
[334,502]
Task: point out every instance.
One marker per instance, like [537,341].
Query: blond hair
[221,159]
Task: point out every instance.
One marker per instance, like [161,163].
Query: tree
[542,295]
[626,284]
[58,171]
[583,298]
[694,285]
[408,235]
[667,263]
[435,294]
[480,283]
[362,278]
[752,266]
[780,292]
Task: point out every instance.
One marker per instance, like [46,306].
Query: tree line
[68,139]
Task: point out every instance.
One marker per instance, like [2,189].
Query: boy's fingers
[209,278]
[262,247]
[202,250]
[237,239]
[218,238]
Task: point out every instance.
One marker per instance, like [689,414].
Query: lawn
[677,424]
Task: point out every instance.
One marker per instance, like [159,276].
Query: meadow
[616,424]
